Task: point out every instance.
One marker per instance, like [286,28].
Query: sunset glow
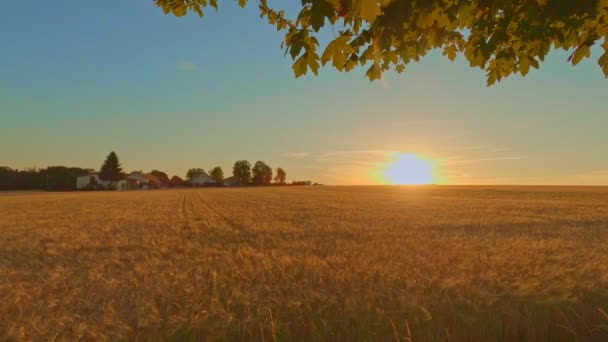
[409,169]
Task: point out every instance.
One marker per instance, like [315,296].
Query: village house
[93,179]
[230,181]
[202,179]
[134,181]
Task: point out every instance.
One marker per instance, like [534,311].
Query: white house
[134,181]
[93,178]
[138,181]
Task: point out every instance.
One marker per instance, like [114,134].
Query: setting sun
[408,169]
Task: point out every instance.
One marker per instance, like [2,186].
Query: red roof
[152,178]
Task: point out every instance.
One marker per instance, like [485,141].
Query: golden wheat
[321,263]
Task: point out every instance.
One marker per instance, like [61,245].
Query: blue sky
[79,81]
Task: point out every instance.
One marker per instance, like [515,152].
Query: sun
[409,169]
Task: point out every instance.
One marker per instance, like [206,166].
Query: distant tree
[242,172]
[8,178]
[52,178]
[262,173]
[163,177]
[62,178]
[176,182]
[111,169]
[281,176]
[194,172]
[217,173]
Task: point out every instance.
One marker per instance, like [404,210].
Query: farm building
[230,181]
[154,182]
[134,181]
[94,180]
[138,181]
[203,179]
[307,183]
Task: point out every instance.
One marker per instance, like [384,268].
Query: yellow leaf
[580,53]
[524,65]
[450,51]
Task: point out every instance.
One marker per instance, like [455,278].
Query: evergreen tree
[111,169]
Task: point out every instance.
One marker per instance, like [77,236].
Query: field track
[328,263]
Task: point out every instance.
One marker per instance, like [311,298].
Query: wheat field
[306,263]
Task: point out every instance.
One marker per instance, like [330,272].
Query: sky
[80,80]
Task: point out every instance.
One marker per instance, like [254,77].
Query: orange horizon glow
[408,169]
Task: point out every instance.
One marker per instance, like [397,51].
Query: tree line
[63,178]
[52,178]
[244,174]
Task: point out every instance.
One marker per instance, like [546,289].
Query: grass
[307,263]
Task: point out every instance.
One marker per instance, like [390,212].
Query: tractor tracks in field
[237,233]
[229,221]
[186,211]
[204,222]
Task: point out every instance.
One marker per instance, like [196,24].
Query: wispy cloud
[295,154]
[339,153]
[457,160]
[501,149]
[186,66]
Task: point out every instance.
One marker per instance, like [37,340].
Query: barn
[202,179]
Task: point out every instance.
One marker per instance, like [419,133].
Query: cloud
[339,153]
[596,177]
[501,149]
[458,160]
[295,154]
[186,66]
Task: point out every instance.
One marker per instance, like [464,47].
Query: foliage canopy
[262,173]
[217,173]
[281,176]
[194,172]
[242,172]
[162,176]
[502,37]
